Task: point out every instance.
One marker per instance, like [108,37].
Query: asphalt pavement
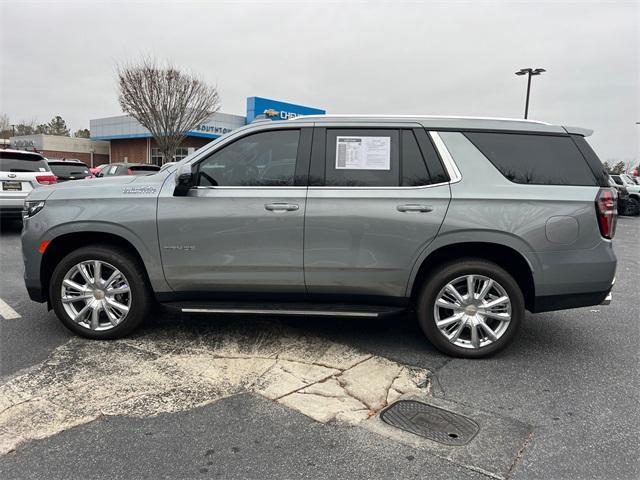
[562,402]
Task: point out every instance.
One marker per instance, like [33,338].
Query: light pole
[529,72]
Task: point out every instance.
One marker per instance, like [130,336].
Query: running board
[303,309]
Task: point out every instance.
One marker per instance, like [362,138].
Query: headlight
[32,207]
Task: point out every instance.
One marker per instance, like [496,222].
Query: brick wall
[98,159]
[133,149]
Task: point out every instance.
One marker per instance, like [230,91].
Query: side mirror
[184,180]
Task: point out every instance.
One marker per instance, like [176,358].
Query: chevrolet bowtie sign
[276,110]
[270,112]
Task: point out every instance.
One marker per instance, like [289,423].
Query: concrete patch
[175,369]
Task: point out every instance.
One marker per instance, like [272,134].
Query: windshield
[70,170]
[22,162]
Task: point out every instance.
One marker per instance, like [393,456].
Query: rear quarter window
[22,162]
[535,159]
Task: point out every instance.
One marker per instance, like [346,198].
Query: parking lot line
[7,312]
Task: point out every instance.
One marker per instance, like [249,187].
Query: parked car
[632,187]
[467,222]
[632,179]
[96,170]
[625,205]
[116,169]
[70,169]
[20,172]
[631,206]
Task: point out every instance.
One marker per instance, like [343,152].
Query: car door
[241,228]
[377,197]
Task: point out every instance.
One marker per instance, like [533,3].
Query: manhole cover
[430,422]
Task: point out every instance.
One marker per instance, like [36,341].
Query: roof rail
[434,117]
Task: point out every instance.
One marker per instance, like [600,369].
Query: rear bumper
[573,279]
[6,212]
[576,300]
[11,206]
[13,201]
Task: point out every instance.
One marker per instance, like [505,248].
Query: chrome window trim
[339,187]
[245,187]
[449,163]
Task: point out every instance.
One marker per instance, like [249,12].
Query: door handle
[281,207]
[414,208]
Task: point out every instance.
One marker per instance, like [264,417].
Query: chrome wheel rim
[96,295]
[472,311]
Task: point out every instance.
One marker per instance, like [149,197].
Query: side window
[414,170]
[362,158]
[534,159]
[261,159]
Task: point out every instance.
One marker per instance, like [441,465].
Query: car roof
[445,122]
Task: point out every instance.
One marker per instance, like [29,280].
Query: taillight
[46,179]
[607,211]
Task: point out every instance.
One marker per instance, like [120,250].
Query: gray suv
[468,222]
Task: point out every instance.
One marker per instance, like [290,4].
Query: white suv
[631,186]
[20,172]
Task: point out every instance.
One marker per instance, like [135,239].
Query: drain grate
[430,422]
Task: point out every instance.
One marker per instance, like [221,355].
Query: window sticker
[363,153]
[42,169]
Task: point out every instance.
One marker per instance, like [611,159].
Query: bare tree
[5,123]
[166,101]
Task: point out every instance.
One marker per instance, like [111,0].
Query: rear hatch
[21,172]
[69,170]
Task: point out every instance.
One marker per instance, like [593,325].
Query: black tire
[141,295]
[447,273]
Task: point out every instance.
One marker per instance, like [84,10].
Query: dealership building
[91,152]
[128,141]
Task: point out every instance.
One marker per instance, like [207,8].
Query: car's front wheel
[470,308]
[100,292]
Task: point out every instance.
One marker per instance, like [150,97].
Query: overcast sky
[449,58]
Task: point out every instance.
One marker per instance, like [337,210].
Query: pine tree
[57,126]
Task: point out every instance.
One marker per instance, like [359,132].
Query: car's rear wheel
[470,308]
[630,207]
[100,292]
